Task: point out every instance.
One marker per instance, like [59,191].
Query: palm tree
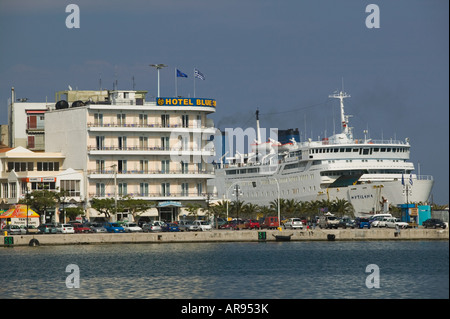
[250,210]
[291,207]
[236,207]
[343,207]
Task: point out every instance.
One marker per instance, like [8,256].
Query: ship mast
[344,118]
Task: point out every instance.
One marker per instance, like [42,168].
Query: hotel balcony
[157,196]
[154,127]
[151,150]
[154,174]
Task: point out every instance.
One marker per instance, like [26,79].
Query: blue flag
[181,74]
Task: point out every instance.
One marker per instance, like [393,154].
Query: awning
[19,211]
[169,204]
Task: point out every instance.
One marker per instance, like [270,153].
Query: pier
[226,236]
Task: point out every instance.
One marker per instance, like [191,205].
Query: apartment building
[22,171]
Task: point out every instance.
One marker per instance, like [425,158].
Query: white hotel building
[157,151]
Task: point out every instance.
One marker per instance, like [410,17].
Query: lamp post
[278,203]
[158,67]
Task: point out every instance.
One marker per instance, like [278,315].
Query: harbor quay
[227,236]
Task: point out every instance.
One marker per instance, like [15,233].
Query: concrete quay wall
[229,236]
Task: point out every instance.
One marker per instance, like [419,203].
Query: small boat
[282,237]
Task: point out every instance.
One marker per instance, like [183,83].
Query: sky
[282,57]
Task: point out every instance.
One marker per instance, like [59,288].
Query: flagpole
[194,82]
[176,83]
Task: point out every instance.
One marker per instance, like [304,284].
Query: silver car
[98,228]
[187,225]
[153,227]
[14,230]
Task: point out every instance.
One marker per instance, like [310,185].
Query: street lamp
[158,67]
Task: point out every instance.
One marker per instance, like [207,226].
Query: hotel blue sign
[172,101]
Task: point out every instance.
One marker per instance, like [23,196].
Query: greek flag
[410,179]
[181,74]
[199,74]
[403,180]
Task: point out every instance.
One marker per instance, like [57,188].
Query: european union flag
[181,74]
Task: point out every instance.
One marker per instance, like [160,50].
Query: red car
[80,228]
[252,224]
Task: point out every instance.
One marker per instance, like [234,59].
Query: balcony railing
[145,125]
[187,195]
[152,172]
[149,148]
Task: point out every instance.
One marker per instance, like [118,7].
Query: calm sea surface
[287,270]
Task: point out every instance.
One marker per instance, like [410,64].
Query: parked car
[220,222]
[346,222]
[293,223]
[377,218]
[131,228]
[13,230]
[434,223]
[203,225]
[81,228]
[362,222]
[65,229]
[393,222]
[227,225]
[187,225]
[170,227]
[47,229]
[251,224]
[32,229]
[328,220]
[97,228]
[153,227]
[114,228]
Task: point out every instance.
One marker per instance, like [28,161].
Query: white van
[375,219]
[202,225]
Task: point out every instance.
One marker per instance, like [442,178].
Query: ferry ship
[370,174]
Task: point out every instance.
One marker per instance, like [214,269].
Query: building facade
[126,146]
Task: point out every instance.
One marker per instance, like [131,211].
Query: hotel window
[122,166]
[165,189]
[121,119]
[165,166]
[143,119]
[184,168]
[199,189]
[165,120]
[122,142]
[123,189]
[185,120]
[165,143]
[100,142]
[98,119]
[143,142]
[143,189]
[100,166]
[184,189]
[143,166]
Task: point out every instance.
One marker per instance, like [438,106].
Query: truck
[270,223]
[328,220]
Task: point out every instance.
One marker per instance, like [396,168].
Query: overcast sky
[284,57]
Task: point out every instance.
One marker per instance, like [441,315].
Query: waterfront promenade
[229,236]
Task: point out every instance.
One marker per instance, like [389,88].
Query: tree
[193,208]
[105,206]
[135,206]
[250,210]
[73,212]
[236,207]
[343,207]
[41,200]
